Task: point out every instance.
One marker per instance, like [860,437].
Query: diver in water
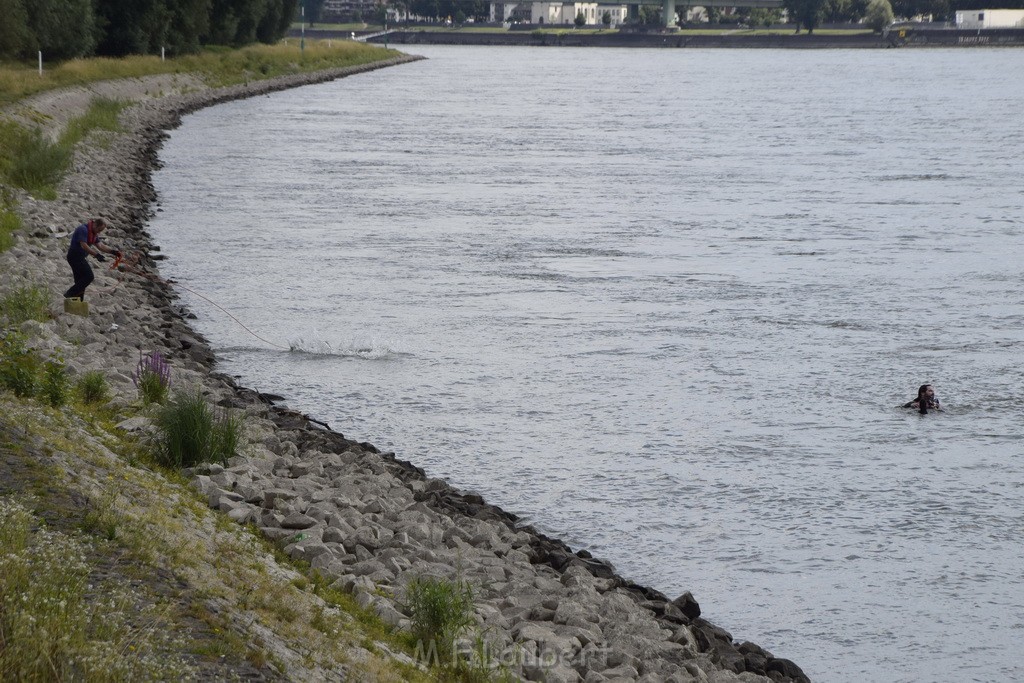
[925,400]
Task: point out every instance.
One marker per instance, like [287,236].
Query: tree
[145,26]
[62,29]
[313,9]
[837,11]
[806,13]
[425,8]
[14,34]
[240,22]
[649,15]
[606,19]
[189,22]
[581,20]
[277,18]
[760,16]
[879,15]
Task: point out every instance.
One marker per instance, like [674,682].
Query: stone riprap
[367,521]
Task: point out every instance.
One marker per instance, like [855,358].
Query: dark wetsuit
[76,259]
[933,404]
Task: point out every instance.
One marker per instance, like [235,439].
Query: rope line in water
[134,258]
[228,314]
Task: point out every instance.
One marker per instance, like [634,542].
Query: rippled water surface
[663,304]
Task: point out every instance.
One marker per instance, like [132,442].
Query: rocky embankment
[367,520]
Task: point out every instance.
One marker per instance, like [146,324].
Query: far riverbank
[895,38]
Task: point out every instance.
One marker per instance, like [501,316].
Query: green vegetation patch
[55,625]
[92,387]
[441,612]
[10,223]
[257,62]
[217,65]
[102,115]
[30,161]
[25,302]
[191,432]
[20,367]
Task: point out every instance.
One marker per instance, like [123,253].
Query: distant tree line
[65,29]
[811,13]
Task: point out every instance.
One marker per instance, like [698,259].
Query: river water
[663,304]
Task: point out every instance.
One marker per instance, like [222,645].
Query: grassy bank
[113,569]
[216,66]
[30,161]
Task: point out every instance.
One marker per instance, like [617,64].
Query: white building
[557,13]
[990,18]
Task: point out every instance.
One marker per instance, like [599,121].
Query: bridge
[668,11]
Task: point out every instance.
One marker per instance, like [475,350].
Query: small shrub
[27,302]
[227,434]
[186,430]
[190,434]
[92,387]
[55,386]
[101,517]
[30,161]
[10,223]
[19,365]
[152,377]
[440,611]
[102,115]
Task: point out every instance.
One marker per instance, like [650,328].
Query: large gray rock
[297,520]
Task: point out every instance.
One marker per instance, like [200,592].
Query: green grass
[51,627]
[441,611]
[190,433]
[102,115]
[25,302]
[19,365]
[55,387]
[92,387]
[30,161]
[218,66]
[786,32]
[350,26]
[143,521]
[10,223]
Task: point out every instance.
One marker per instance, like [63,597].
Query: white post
[162,56]
[40,62]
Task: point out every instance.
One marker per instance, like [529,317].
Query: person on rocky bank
[85,240]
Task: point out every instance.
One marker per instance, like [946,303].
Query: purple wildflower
[154,365]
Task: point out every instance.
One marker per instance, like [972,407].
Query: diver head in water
[925,400]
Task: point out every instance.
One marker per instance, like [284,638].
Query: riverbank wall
[365,519]
[911,37]
[569,38]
